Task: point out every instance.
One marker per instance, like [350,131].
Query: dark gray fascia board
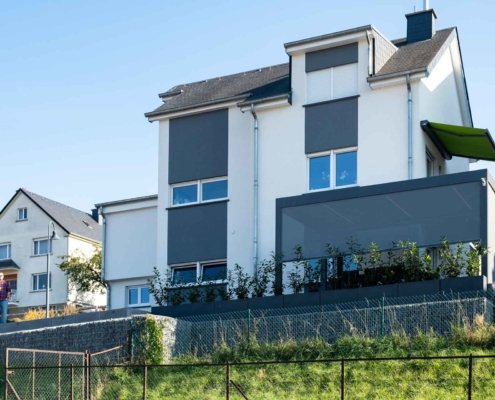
[193,106]
[267,99]
[329,36]
[125,201]
[397,74]
[383,188]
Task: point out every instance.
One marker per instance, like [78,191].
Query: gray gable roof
[71,220]
[415,56]
[257,84]
[275,81]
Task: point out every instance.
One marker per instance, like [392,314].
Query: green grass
[437,379]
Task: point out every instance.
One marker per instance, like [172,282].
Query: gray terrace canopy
[460,141]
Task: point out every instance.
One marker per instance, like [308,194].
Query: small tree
[85,271]
[473,258]
[296,276]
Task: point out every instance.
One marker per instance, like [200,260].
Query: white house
[24,246]
[331,144]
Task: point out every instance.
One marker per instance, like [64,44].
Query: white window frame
[333,168]
[199,187]
[48,245]
[139,303]
[199,268]
[49,282]
[9,250]
[175,267]
[24,214]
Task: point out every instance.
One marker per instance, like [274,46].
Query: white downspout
[103,246]
[255,173]
[409,126]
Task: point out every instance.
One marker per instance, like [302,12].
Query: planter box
[338,296]
[377,292]
[263,303]
[418,288]
[463,284]
[302,300]
[231,305]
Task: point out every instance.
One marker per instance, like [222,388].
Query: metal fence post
[249,323]
[88,374]
[342,379]
[34,373]
[6,380]
[470,378]
[59,374]
[72,382]
[382,322]
[227,381]
[145,380]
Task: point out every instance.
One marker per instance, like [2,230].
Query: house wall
[21,235]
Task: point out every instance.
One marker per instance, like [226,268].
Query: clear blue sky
[77,76]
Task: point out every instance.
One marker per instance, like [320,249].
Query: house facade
[262,161]
[24,246]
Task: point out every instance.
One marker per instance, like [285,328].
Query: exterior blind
[345,81]
[332,83]
[319,85]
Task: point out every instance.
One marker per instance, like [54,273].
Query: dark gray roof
[71,220]
[8,264]
[257,84]
[415,56]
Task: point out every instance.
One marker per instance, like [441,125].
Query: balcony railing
[14,299]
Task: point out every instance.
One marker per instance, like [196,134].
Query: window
[332,83]
[39,282]
[12,283]
[209,271]
[41,247]
[199,191]
[343,162]
[138,296]
[213,272]
[183,275]
[22,214]
[5,251]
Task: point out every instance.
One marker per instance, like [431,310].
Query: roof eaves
[125,201]
[328,36]
[377,78]
[10,201]
[287,95]
[197,105]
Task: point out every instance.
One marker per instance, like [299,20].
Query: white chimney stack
[426,4]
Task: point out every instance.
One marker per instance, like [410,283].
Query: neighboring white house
[23,250]
[342,117]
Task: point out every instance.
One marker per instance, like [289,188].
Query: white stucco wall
[21,235]
[163,196]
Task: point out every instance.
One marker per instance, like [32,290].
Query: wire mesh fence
[433,313]
[442,377]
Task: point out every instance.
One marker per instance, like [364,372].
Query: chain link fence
[371,318]
[438,377]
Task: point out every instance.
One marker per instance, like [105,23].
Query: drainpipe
[255,173]
[103,247]
[409,125]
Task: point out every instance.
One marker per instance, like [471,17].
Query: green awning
[460,141]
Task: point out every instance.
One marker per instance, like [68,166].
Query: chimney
[421,25]
[94,214]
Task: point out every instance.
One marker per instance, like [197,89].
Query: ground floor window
[201,271]
[138,296]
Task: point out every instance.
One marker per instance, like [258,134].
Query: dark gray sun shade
[422,216]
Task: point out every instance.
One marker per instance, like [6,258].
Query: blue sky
[76,77]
